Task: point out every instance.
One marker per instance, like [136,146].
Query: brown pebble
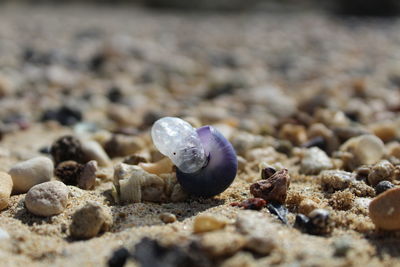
[273,188]
[90,220]
[251,204]
[384,210]
[69,172]
[167,217]
[87,179]
[67,148]
[219,243]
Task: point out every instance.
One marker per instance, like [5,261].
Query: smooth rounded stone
[332,180]
[206,223]
[121,146]
[366,149]
[314,161]
[382,171]
[31,172]
[4,234]
[94,151]
[384,210]
[90,220]
[167,217]
[6,185]
[47,199]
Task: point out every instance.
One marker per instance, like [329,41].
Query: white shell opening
[178,140]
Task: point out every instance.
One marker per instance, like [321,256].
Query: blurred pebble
[69,172]
[87,179]
[307,205]
[267,172]
[118,257]
[89,220]
[383,186]
[206,223]
[47,199]
[381,171]
[66,148]
[167,217]
[6,185]
[384,210]
[122,146]
[386,131]
[296,134]
[65,115]
[251,204]
[314,161]
[341,246]
[31,172]
[94,151]
[220,243]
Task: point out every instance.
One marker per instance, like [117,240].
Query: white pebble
[47,199]
[314,161]
[31,172]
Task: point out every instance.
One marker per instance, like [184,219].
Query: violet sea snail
[206,162]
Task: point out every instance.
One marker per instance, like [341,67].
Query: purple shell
[220,170]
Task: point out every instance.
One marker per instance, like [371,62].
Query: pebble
[318,222]
[31,172]
[69,172]
[272,189]
[221,243]
[67,148]
[296,134]
[206,223]
[382,171]
[6,185]
[251,204]
[4,234]
[89,220]
[366,149]
[384,210]
[383,186]
[307,205]
[314,161]
[332,180]
[87,179]
[94,151]
[261,237]
[122,146]
[47,199]
[167,217]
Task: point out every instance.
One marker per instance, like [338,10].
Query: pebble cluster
[313,119]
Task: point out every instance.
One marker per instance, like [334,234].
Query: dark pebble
[69,172]
[115,95]
[383,186]
[318,141]
[64,115]
[317,223]
[67,148]
[272,189]
[279,210]
[119,258]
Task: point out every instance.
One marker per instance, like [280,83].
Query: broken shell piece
[132,184]
[162,166]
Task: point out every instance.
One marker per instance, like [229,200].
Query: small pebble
[220,243]
[381,171]
[206,223]
[167,217]
[314,161]
[67,148]
[118,258]
[122,146]
[31,172]
[319,223]
[296,134]
[332,180]
[6,185]
[87,179]
[90,220]
[92,150]
[383,186]
[47,199]
[272,189]
[69,172]
[384,210]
